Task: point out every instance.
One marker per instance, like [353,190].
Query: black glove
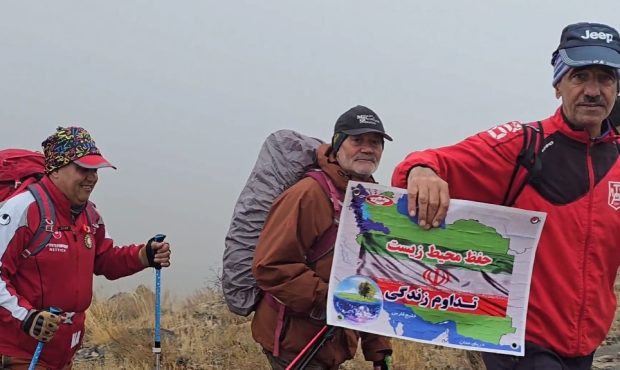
[150,253]
[41,325]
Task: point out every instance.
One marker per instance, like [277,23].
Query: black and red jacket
[572,300]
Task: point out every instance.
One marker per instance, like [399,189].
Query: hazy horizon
[179,96]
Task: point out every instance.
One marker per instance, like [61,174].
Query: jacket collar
[559,121]
[60,201]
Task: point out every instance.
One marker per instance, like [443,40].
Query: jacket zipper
[77,265]
[586,244]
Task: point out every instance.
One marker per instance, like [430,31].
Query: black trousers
[537,358]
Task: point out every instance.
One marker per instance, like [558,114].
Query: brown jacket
[297,219]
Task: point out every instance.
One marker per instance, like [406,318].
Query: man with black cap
[576,181]
[300,217]
[44,294]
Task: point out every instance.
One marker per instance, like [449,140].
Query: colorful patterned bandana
[69,144]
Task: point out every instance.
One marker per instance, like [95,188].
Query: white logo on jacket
[500,132]
[75,338]
[53,247]
[614,195]
[547,146]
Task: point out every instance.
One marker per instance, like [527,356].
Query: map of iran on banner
[463,285]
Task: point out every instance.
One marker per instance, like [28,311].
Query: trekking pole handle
[157,344]
[39,349]
[158,238]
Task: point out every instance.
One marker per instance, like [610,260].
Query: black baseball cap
[360,120]
[584,44]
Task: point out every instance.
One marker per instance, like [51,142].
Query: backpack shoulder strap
[323,245]
[528,159]
[47,221]
[328,186]
[326,242]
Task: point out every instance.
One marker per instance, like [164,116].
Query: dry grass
[202,334]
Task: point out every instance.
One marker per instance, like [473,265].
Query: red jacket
[572,301]
[61,275]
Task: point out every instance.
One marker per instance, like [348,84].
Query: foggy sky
[179,95]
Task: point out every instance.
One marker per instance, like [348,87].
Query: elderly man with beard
[572,300]
[297,220]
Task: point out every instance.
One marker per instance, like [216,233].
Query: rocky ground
[608,355]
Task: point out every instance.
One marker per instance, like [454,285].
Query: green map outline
[459,236]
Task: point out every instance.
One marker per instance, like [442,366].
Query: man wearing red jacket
[61,274]
[572,300]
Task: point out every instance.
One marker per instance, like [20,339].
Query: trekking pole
[309,351]
[157,344]
[39,349]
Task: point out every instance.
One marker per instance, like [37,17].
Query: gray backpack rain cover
[283,160]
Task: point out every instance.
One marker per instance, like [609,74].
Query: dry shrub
[202,334]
